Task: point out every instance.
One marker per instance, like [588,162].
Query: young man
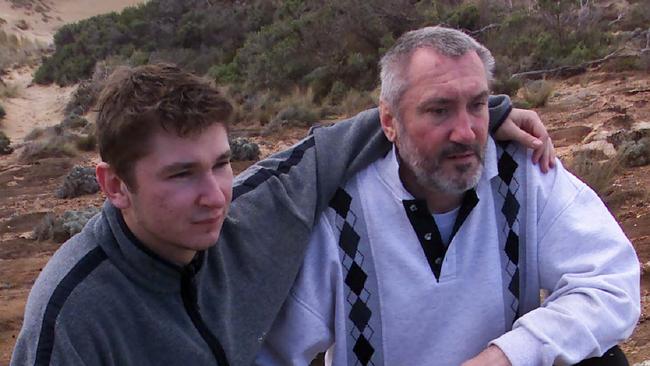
[123,292]
[436,253]
[144,284]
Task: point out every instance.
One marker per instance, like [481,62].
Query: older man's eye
[438,111]
[478,105]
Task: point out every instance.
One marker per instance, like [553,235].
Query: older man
[436,253]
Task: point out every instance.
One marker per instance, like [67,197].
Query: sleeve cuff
[500,108]
[521,347]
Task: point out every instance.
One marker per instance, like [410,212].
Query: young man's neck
[177,256]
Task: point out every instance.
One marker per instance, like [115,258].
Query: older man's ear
[387,121]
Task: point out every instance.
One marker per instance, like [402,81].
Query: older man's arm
[591,270]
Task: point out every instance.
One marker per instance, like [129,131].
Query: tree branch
[564,69]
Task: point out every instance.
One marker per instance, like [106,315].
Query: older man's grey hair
[446,41]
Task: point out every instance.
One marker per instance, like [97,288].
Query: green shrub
[338,91]
[225,73]
[466,16]
[3,113]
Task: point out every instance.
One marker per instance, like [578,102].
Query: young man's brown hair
[137,102]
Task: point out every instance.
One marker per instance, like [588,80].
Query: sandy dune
[42,25]
[36,105]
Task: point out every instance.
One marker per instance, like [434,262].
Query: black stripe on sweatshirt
[190,301]
[77,274]
[263,174]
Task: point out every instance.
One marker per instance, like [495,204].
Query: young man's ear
[387,121]
[113,186]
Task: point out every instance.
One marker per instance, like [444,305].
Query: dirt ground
[584,109]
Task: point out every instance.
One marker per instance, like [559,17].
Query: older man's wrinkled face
[442,124]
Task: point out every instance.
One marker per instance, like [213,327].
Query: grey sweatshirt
[105,299]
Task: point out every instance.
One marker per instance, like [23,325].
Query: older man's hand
[525,127]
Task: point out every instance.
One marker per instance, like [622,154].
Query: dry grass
[18,51]
[9,91]
[356,101]
[37,150]
[597,174]
[54,141]
[537,92]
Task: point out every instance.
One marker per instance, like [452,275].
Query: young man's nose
[212,193]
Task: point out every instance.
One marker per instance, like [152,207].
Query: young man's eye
[179,175]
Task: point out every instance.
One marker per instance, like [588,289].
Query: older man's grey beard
[428,171]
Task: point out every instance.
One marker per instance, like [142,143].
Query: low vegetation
[79,181]
[259,48]
[67,138]
[61,228]
[536,93]
[636,153]
[243,149]
[18,51]
[597,174]
[8,90]
[5,144]
[3,113]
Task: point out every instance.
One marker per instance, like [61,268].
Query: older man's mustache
[455,148]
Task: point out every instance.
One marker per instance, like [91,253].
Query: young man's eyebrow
[226,155]
[175,167]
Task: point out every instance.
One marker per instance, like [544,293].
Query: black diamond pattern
[341,202]
[514,284]
[360,314]
[510,208]
[512,247]
[507,166]
[349,240]
[356,278]
[363,349]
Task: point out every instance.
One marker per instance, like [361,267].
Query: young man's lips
[208,221]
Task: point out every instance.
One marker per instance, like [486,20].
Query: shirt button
[438,261]
[413,208]
[427,236]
